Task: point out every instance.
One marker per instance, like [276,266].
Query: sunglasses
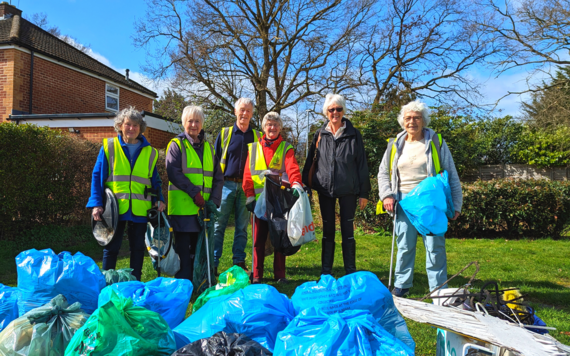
[335,109]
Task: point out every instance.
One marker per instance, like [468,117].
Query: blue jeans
[407,238]
[233,199]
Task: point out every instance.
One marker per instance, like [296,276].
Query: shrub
[45,175]
[498,208]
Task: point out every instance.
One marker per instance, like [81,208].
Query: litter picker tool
[393,240]
[252,241]
[206,223]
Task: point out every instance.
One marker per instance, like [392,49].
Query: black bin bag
[279,199]
[222,344]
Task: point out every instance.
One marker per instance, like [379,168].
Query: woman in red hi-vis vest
[277,156]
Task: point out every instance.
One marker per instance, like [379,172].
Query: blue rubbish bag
[357,291]
[42,275]
[8,305]
[259,311]
[168,297]
[352,332]
[429,205]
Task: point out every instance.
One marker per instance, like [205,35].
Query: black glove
[250,206]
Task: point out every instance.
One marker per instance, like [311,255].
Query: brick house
[48,82]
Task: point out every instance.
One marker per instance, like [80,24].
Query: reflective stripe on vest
[129,184]
[179,202]
[435,149]
[226,137]
[257,163]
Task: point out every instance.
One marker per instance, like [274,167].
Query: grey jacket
[389,186]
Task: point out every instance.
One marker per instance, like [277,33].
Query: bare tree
[534,36]
[40,19]
[424,47]
[280,52]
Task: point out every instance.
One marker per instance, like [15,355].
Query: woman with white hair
[132,173]
[336,168]
[195,177]
[277,155]
[415,154]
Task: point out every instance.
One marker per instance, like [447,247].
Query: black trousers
[136,233]
[185,247]
[347,210]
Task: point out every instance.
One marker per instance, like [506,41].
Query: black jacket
[341,165]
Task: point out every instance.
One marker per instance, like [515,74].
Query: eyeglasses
[414,118]
[335,109]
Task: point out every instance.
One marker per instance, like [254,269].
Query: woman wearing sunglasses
[336,168]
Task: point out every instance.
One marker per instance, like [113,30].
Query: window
[112,98]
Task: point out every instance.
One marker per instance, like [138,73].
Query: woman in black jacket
[341,172]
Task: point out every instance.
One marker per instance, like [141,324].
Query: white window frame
[115,96]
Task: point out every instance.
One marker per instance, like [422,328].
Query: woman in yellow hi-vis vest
[194,176]
[415,154]
[130,176]
[272,153]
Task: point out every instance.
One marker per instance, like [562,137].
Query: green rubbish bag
[231,280]
[43,331]
[200,277]
[116,276]
[118,328]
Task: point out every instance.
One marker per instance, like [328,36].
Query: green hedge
[46,178]
[498,208]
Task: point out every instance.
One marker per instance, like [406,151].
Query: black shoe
[283,281]
[400,292]
[216,272]
[349,256]
[327,256]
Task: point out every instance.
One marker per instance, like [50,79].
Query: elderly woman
[273,152]
[195,177]
[412,156]
[133,158]
[341,172]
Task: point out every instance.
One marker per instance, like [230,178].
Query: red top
[269,147]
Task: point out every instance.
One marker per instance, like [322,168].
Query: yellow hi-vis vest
[226,137]
[257,164]
[179,202]
[435,152]
[129,184]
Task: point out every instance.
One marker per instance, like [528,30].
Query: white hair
[192,111]
[271,116]
[415,106]
[334,99]
[246,101]
[132,114]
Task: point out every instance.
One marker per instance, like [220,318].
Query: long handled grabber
[206,223]
[159,248]
[393,240]
[252,242]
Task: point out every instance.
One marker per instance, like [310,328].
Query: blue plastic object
[168,297]
[357,291]
[42,275]
[429,205]
[259,311]
[8,305]
[353,332]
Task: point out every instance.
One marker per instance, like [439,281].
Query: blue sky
[107,27]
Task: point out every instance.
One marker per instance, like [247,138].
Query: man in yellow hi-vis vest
[231,150]
[127,165]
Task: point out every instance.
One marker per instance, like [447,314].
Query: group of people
[229,173]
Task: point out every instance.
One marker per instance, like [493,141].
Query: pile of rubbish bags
[63,306]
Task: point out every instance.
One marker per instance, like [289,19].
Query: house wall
[56,88]
[157,138]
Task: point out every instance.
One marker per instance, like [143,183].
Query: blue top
[101,173]
[133,147]
[237,151]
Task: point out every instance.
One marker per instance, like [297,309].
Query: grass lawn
[540,268]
